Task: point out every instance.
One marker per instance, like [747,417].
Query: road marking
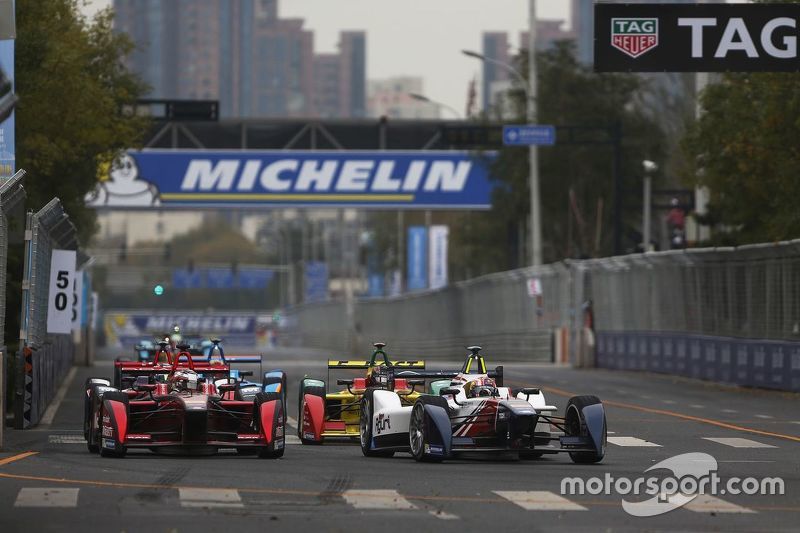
[52,409]
[704,503]
[697,406]
[210,498]
[315,494]
[765,417]
[292,440]
[47,497]
[291,422]
[634,407]
[736,442]
[730,411]
[539,500]
[669,401]
[17,457]
[66,439]
[444,516]
[631,441]
[377,499]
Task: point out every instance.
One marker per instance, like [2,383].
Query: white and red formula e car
[173,404]
[477,414]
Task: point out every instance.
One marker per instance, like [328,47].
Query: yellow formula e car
[326,414]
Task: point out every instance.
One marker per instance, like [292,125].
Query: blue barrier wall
[768,364]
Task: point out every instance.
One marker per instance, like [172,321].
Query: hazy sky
[416,37]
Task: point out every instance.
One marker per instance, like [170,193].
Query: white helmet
[184,379]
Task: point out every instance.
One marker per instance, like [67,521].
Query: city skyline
[424,54]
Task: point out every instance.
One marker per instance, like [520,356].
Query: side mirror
[415,383]
[451,391]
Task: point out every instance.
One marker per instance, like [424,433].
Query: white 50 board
[59,299]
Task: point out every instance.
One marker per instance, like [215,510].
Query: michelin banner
[7,98]
[124,330]
[250,178]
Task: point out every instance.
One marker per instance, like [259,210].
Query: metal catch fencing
[12,197]
[43,359]
[725,314]
[500,311]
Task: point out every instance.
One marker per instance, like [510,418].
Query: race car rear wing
[497,374]
[361,364]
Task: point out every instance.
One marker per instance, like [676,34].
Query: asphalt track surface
[62,487]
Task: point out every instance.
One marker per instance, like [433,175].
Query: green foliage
[744,149]
[568,94]
[72,85]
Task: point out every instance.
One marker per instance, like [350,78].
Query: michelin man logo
[123,186]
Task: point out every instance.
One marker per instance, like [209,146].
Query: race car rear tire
[273,450]
[119,450]
[575,425]
[419,437]
[87,404]
[365,427]
[315,390]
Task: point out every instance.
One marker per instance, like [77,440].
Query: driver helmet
[184,379]
[483,387]
[379,376]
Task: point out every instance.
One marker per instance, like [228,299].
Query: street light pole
[440,105]
[533,154]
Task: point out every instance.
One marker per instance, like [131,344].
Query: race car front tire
[314,390]
[276,447]
[577,424]
[117,449]
[419,435]
[365,427]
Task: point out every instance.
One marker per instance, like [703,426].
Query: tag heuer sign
[634,36]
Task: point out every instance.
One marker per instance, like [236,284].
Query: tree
[574,178]
[744,149]
[72,86]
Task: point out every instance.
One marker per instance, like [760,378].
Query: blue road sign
[526,135]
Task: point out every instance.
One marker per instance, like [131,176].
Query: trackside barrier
[43,359]
[723,314]
[12,197]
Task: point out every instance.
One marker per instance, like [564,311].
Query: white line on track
[765,417]
[377,499]
[47,497]
[66,439]
[51,411]
[737,442]
[697,406]
[539,500]
[210,498]
[632,441]
[291,422]
[670,402]
[730,411]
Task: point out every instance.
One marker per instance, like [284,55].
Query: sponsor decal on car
[382,423]
[109,444]
[308,435]
[434,450]
[108,431]
[279,445]
[279,432]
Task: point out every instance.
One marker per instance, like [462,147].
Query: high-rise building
[391,98]
[495,48]
[496,79]
[241,53]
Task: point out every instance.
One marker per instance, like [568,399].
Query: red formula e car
[174,404]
